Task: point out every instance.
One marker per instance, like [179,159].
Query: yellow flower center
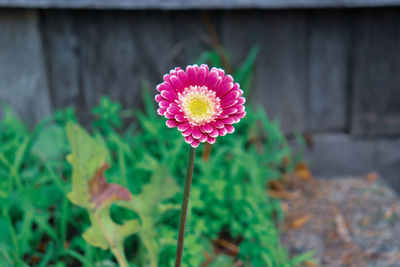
[199,105]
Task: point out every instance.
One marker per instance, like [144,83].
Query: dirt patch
[347,222]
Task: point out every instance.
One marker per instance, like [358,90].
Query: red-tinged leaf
[102,192]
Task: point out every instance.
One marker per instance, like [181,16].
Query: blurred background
[326,72]
[325,68]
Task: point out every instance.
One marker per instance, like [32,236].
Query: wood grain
[280,79]
[23,79]
[329,70]
[376,74]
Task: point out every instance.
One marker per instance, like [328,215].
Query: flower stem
[185,202]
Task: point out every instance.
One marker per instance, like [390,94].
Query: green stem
[12,231]
[119,253]
[185,202]
[116,249]
[18,182]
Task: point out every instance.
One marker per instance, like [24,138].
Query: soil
[345,221]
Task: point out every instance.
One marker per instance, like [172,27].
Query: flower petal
[167,78]
[177,83]
[187,132]
[240,108]
[205,66]
[227,104]
[231,95]
[180,117]
[165,86]
[224,88]
[158,98]
[221,72]
[189,139]
[169,115]
[169,95]
[214,133]
[212,80]
[241,114]
[206,128]
[229,111]
[173,109]
[211,140]
[241,101]
[174,71]
[228,120]
[164,104]
[229,128]
[196,132]
[217,124]
[201,76]
[171,123]
[183,77]
[222,132]
[161,111]
[183,126]
[195,143]
[203,138]
[191,72]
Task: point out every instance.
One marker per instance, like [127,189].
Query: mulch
[346,221]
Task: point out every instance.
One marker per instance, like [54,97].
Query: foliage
[229,203]
[91,191]
[39,226]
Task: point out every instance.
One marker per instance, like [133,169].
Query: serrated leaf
[103,193]
[147,204]
[160,188]
[91,191]
[105,233]
[92,236]
[88,155]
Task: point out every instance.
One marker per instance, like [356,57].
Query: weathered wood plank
[376,80]
[191,35]
[119,51]
[341,154]
[280,77]
[94,53]
[388,160]
[23,82]
[199,4]
[329,65]
[62,58]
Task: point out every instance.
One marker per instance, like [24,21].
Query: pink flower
[201,103]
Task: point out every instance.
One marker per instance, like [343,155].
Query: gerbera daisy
[203,104]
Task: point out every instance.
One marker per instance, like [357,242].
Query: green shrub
[39,226]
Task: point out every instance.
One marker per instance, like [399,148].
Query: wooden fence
[332,73]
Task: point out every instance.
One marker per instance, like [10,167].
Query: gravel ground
[346,221]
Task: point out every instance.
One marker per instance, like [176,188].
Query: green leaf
[88,155]
[102,193]
[212,57]
[105,233]
[92,192]
[160,188]
[51,143]
[222,261]
[11,124]
[147,204]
